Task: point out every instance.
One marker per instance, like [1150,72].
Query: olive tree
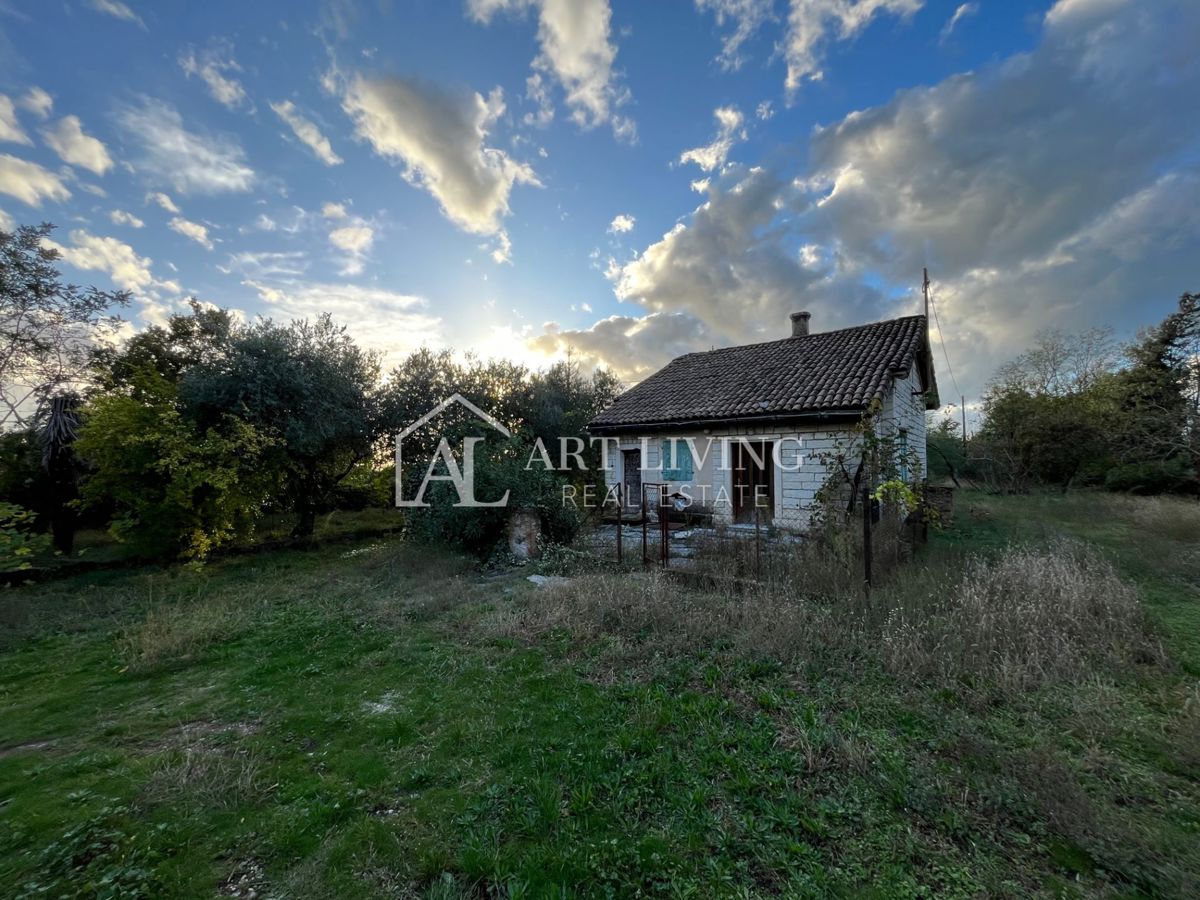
[308,387]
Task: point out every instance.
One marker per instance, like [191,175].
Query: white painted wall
[796,486]
[902,408]
[798,477]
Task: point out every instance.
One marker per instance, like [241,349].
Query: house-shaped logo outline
[443,406]
[460,482]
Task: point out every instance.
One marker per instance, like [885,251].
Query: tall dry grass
[176,633]
[649,614]
[1172,518]
[1030,616]
[1033,614]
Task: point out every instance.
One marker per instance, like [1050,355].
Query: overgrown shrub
[1152,477]
[499,468]
[18,542]
[177,490]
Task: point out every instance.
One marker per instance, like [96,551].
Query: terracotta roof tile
[826,372]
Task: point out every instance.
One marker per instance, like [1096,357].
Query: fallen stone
[547,580]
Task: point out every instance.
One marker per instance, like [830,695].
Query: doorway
[753,481]
[631,479]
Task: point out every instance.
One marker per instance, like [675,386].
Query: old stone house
[759,426]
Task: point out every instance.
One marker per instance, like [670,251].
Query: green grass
[344,723]
[97,547]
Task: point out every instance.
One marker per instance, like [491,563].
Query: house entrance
[631,469]
[753,481]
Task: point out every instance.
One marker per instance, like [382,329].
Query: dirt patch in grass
[248,881]
[27,747]
[202,734]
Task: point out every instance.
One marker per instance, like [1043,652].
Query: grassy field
[378,719]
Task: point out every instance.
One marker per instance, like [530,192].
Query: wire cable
[942,341]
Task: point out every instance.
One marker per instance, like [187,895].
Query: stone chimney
[800,323]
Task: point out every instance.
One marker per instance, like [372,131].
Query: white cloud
[120,217]
[7,222]
[66,138]
[356,241]
[729,131]
[576,48]
[191,230]
[10,129]
[962,12]
[764,110]
[29,182]
[634,347]
[440,138]
[38,102]
[392,323]
[538,91]
[164,201]
[188,161]
[1053,188]
[726,257]
[621,224]
[333,210]
[117,10]
[272,264]
[746,17]
[211,66]
[118,260]
[307,132]
[811,22]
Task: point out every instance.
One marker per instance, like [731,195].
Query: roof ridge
[784,340]
[837,370]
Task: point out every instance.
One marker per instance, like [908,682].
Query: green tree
[47,327]
[546,406]
[151,364]
[307,386]
[1041,438]
[947,456]
[177,489]
[1158,396]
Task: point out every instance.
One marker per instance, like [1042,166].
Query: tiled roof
[827,372]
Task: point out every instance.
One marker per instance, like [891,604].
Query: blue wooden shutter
[684,462]
[677,460]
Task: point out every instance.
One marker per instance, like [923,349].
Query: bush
[499,467]
[18,543]
[176,490]
[1152,477]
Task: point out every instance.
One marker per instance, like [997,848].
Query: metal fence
[867,544]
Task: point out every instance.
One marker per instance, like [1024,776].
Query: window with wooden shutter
[677,460]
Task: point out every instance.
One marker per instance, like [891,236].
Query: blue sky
[632,181]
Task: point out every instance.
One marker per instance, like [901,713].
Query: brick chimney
[800,323]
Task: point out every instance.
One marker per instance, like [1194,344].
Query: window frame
[671,468]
